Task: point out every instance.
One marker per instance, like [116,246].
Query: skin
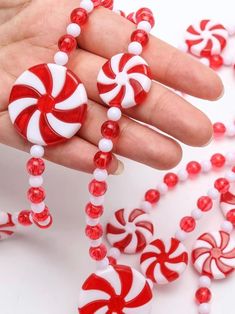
[29,32]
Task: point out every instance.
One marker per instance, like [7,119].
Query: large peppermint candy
[164,262]
[47,104]
[206,38]
[124,81]
[7,227]
[116,290]
[214,255]
[130,230]
[227,200]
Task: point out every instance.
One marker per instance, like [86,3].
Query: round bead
[67,43]
[135,48]
[230,158]
[97,188]
[92,222]
[230,131]
[100,175]
[115,252]
[162,188]
[204,282]
[222,185]
[24,218]
[213,193]
[180,235]
[36,181]
[196,214]
[145,15]
[193,168]
[94,232]
[36,195]
[87,5]
[97,201]
[74,30]
[110,129]
[107,4]
[61,58]
[114,114]
[231,216]
[230,176]
[98,253]
[219,129]
[93,211]
[218,160]
[152,196]
[105,145]
[35,166]
[203,295]
[102,160]
[182,175]
[205,203]
[204,308]
[146,206]
[38,208]
[140,36]
[206,166]
[96,3]
[37,151]
[171,179]
[216,61]
[145,26]
[188,224]
[227,226]
[43,216]
[79,16]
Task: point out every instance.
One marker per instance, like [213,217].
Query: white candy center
[206,34]
[130,227]
[122,78]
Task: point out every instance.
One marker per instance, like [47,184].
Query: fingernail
[120,168]
[221,95]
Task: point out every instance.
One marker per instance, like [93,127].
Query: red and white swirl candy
[47,104]
[227,200]
[124,81]
[117,289]
[214,255]
[7,226]
[206,38]
[130,230]
[164,262]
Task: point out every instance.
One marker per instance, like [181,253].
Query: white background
[41,272]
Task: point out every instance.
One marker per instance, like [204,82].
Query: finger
[162,109]
[108,33]
[75,153]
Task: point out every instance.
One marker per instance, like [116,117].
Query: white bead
[183,175]
[115,253]
[97,201]
[230,158]
[92,222]
[230,130]
[197,214]
[206,166]
[114,114]
[95,243]
[15,217]
[100,175]
[180,235]
[231,29]
[135,48]
[204,282]
[61,58]
[227,226]
[35,181]
[74,30]
[230,176]
[105,145]
[213,193]
[205,61]
[146,206]
[37,151]
[145,26]
[38,208]
[229,59]
[204,308]
[87,5]
[162,188]
[101,265]
[3,218]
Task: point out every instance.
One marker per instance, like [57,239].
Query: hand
[29,32]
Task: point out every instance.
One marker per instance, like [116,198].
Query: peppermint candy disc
[164,262]
[227,200]
[7,227]
[206,38]
[47,104]
[130,231]
[214,255]
[124,81]
[117,289]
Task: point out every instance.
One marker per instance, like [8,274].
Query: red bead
[205,203]
[36,195]
[94,232]
[98,253]
[96,3]
[140,36]
[143,11]
[97,188]
[222,185]
[216,62]
[188,224]
[152,196]
[93,211]
[218,160]
[43,216]
[219,129]
[42,225]
[110,129]
[231,216]
[67,43]
[35,166]
[193,168]
[171,179]
[107,4]
[203,295]
[24,219]
[102,160]
[145,14]
[79,16]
